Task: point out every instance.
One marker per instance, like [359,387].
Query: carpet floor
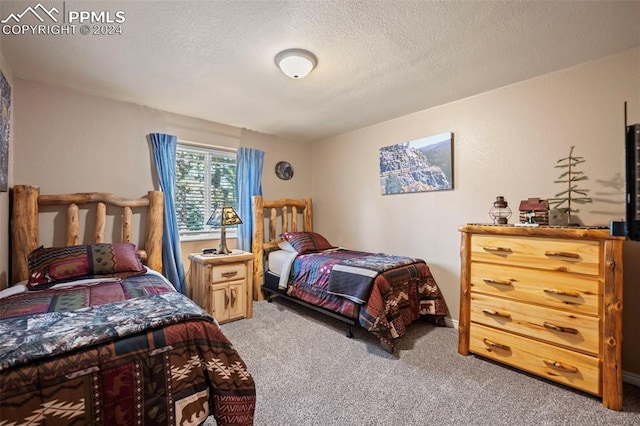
[308,373]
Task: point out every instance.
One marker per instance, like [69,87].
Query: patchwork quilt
[131,351]
[398,290]
[352,278]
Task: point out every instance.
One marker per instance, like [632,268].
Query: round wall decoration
[284,170]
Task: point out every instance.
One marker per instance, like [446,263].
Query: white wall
[507,142]
[66,141]
[278,149]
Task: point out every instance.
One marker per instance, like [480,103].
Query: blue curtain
[164,154]
[248,183]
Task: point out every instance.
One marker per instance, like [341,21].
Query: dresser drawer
[574,331]
[551,362]
[554,289]
[577,256]
[232,271]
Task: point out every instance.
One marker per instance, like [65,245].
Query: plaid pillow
[306,242]
[49,266]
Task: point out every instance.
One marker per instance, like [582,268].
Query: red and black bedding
[384,293]
[93,337]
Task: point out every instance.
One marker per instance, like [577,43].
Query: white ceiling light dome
[296,63]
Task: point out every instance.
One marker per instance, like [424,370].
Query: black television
[632,155]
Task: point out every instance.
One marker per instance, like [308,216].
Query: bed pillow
[49,266]
[306,242]
[284,245]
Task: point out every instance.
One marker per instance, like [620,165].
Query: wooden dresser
[547,300]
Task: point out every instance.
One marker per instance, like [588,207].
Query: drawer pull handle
[560,366]
[229,274]
[562,254]
[497,249]
[554,327]
[499,282]
[496,345]
[561,292]
[496,313]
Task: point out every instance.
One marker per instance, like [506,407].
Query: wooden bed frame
[24,223]
[282,216]
[287,210]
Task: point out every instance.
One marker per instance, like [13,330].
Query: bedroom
[507,139]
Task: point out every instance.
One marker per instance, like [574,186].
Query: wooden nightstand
[223,284]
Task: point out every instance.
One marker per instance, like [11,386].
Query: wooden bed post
[73,225]
[154,229]
[257,248]
[24,229]
[307,216]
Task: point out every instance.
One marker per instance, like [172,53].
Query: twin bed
[379,292]
[90,335]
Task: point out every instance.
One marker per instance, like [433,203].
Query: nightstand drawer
[582,257]
[553,363]
[232,271]
[572,330]
[554,289]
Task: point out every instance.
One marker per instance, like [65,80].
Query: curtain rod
[204,145]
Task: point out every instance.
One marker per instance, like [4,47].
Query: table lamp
[224,217]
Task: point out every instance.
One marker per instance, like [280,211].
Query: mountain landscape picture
[5,124]
[420,165]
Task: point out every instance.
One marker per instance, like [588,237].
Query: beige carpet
[308,373]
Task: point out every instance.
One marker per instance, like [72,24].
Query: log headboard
[24,223]
[282,216]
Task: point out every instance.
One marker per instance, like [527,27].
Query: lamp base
[224,250]
[223,242]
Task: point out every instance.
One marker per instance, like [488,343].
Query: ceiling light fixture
[296,63]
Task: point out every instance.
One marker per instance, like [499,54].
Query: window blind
[205,180]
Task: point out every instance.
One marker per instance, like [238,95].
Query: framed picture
[5,123]
[419,165]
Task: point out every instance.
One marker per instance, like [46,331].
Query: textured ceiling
[377,60]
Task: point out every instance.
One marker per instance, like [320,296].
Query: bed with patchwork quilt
[92,336]
[382,293]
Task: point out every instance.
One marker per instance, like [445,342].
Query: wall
[278,149]
[67,141]
[4,196]
[507,142]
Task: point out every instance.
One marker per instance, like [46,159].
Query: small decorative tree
[565,201]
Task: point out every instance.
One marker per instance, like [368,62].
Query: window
[205,180]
